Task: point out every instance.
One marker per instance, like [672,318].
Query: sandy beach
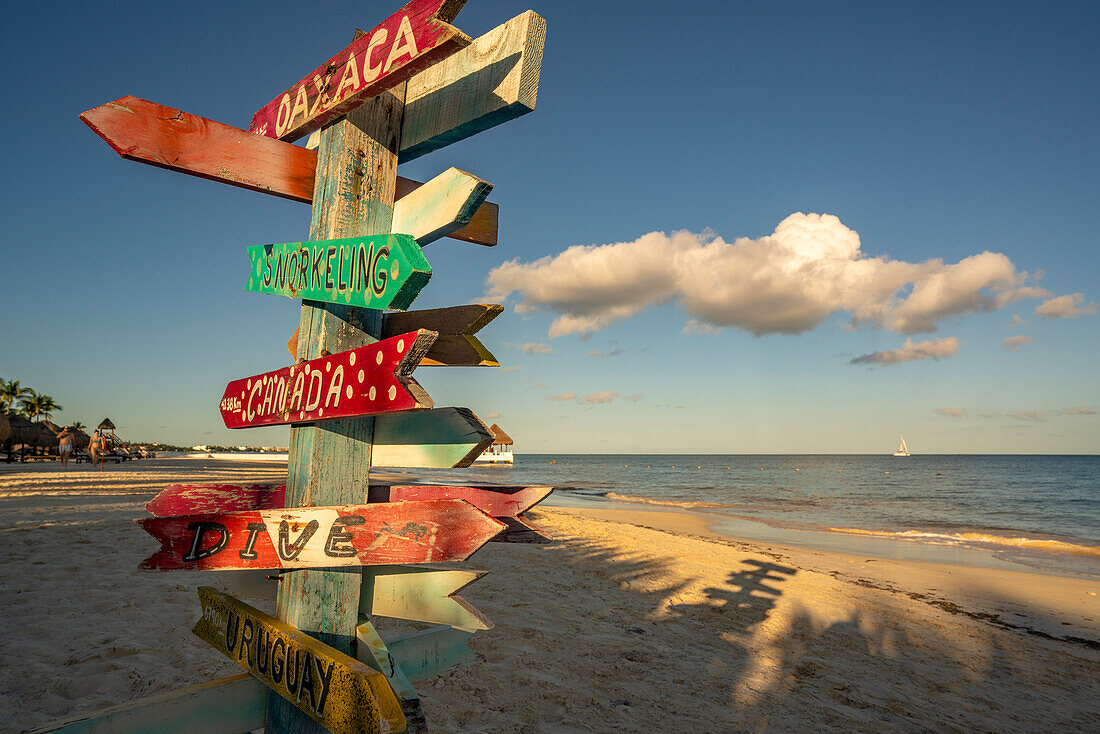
[632,620]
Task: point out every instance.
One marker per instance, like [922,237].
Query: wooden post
[330,462]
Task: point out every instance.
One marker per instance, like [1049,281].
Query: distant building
[500,452]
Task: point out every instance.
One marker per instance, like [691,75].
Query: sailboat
[903,450]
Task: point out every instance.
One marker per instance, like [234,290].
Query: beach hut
[500,452]
[23,433]
[104,426]
[5,429]
[80,439]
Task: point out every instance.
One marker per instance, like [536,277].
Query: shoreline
[631,620]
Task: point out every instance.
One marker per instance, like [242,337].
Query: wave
[1005,541]
[686,504]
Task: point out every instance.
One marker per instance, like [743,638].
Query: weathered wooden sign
[430,439]
[335,690]
[371,649]
[493,80]
[165,137]
[415,37]
[382,271]
[320,537]
[429,652]
[364,381]
[456,344]
[422,595]
[502,503]
[440,207]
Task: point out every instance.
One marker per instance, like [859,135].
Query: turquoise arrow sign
[380,271]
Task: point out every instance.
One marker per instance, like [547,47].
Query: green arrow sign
[380,271]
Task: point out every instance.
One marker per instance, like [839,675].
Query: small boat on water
[903,450]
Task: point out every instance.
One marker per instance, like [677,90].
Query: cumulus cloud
[599,397]
[910,351]
[1016,321]
[1065,307]
[563,397]
[532,348]
[1013,343]
[787,282]
[950,412]
[612,353]
[634,398]
[1030,415]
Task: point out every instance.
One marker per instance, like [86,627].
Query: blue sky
[933,131]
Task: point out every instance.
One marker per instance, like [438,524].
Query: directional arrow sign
[430,652]
[375,378]
[337,691]
[433,439]
[165,137]
[503,503]
[320,537]
[493,80]
[382,271]
[371,649]
[415,37]
[442,206]
[456,344]
[422,595]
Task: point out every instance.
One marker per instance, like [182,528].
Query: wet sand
[631,621]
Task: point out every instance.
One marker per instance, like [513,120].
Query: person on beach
[96,448]
[64,446]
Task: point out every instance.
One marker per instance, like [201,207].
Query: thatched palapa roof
[500,438]
[106,424]
[22,430]
[5,428]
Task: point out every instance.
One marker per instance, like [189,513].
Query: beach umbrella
[80,438]
[51,425]
[45,437]
[22,430]
[5,428]
[106,425]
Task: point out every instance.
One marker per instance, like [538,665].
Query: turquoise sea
[1041,511]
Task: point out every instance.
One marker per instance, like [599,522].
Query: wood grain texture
[224,706]
[343,695]
[368,380]
[441,206]
[382,533]
[169,138]
[493,80]
[431,652]
[372,651]
[329,463]
[437,439]
[456,344]
[421,595]
[411,40]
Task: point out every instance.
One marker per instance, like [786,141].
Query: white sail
[903,450]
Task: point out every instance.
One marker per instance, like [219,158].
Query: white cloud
[1013,343]
[532,348]
[563,397]
[612,353]
[634,398]
[910,351]
[950,412]
[1030,415]
[1016,321]
[599,397]
[493,415]
[510,369]
[1065,307]
[786,282]
[1080,410]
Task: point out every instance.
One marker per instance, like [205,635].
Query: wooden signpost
[320,537]
[332,688]
[412,85]
[383,271]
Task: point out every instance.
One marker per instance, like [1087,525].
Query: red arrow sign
[321,537]
[362,381]
[165,137]
[412,39]
[502,503]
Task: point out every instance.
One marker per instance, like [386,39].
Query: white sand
[631,621]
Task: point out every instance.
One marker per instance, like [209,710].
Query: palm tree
[47,406]
[30,404]
[10,392]
[77,426]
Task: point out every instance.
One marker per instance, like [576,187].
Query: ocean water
[1039,510]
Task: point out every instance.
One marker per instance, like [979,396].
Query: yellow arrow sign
[337,691]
